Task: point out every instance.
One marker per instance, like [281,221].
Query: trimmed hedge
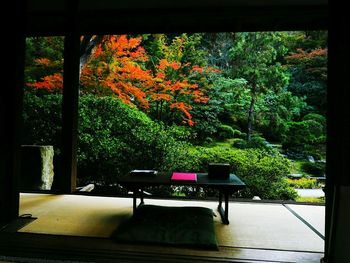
[264,174]
[115,138]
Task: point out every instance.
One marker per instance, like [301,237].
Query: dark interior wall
[338,136]
[340,227]
[10,108]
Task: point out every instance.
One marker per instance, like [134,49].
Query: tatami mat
[315,216]
[74,214]
[252,225]
[269,226]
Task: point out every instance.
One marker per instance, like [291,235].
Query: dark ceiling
[110,16]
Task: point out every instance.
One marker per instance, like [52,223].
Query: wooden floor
[77,228]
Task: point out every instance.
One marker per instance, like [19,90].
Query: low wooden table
[228,186]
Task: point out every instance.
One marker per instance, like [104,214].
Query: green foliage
[256,141]
[301,135]
[240,144]
[307,40]
[114,139]
[303,183]
[225,132]
[42,123]
[307,65]
[316,200]
[263,173]
[206,120]
[42,120]
[225,100]
[255,58]
[50,48]
[185,50]
[274,110]
[316,118]
[314,169]
[239,134]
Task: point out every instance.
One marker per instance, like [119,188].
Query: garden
[176,102]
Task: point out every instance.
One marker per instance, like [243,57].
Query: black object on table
[227,186]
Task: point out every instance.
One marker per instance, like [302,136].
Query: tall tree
[44,63]
[118,65]
[179,66]
[255,56]
[307,64]
[218,46]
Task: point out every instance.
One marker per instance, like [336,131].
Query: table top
[165,179]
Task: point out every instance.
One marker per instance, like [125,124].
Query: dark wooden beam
[31,247]
[114,17]
[11,110]
[338,140]
[68,176]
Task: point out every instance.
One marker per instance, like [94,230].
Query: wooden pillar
[338,137]
[67,179]
[11,109]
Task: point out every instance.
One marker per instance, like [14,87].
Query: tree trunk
[87,45]
[160,111]
[251,114]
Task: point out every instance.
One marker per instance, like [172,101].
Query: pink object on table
[184,177]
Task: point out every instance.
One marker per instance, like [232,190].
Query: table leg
[226,209]
[141,196]
[220,199]
[134,199]
[223,213]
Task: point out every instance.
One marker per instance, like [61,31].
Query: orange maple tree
[117,67]
[50,83]
[315,61]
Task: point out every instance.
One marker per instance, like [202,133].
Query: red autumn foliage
[117,67]
[51,83]
[302,55]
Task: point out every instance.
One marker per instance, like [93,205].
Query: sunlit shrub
[303,183]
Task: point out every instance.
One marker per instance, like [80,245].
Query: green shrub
[235,127]
[314,169]
[303,183]
[265,175]
[240,144]
[296,136]
[115,138]
[315,129]
[300,134]
[42,123]
[208,140]
[315,117]
[237,134]
[42,120]
[257,142]
[225,132]
[307,136]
